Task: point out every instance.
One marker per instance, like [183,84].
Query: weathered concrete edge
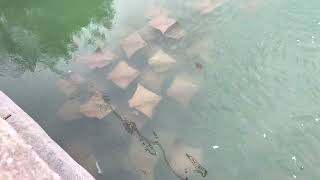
[57,159]
[18,160]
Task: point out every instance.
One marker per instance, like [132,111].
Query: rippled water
[255,115]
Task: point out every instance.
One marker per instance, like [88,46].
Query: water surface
[258,88]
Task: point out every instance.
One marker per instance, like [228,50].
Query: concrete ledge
[18,160]
[32,134]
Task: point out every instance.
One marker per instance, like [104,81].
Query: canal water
[242,96]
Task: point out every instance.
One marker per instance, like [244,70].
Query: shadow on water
[31,32]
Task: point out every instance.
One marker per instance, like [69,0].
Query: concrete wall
[31,134]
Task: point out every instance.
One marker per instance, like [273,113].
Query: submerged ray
[144,100]
[162,23]
[152,80]
[70,84]
[140,162]
[132,43]
[206,6]
[182,89]
[155,10]
[83,154]
[67,87]
[161,62]
[96,107]
[70,110]
[123,75]
[175,32]
[98,59]
[180,163]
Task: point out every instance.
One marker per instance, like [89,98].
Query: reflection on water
[224,87]
[36,33]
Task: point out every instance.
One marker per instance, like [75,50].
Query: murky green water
[255,64]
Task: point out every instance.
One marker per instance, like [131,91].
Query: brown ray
[123,75]
[98,59]
[132,43]
[96,107]
[144,100]
[182,89]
